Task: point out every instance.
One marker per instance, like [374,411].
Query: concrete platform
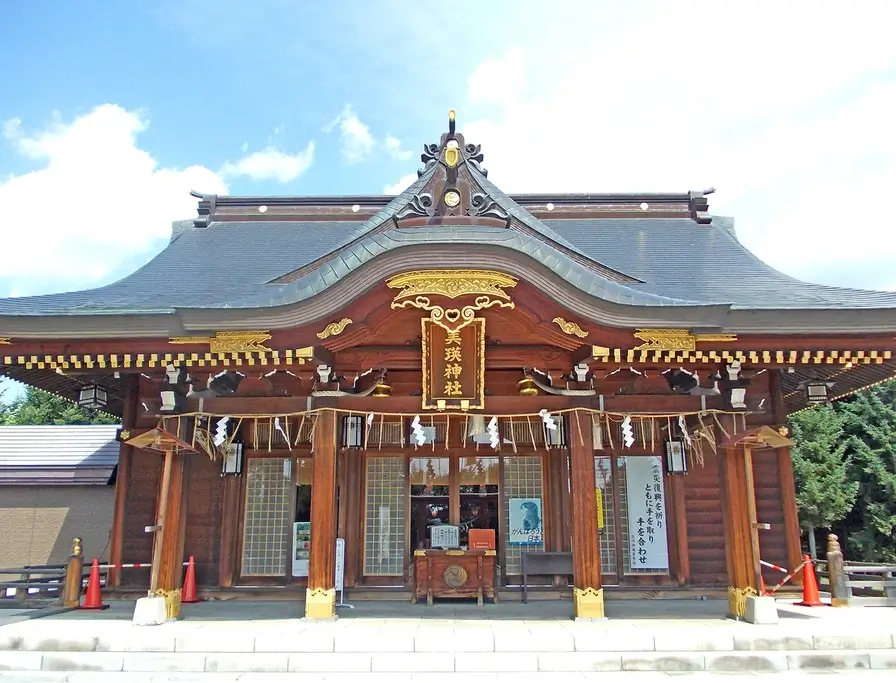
[233,638]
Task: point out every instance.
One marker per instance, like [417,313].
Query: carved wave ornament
[570,327]
[676,340]
[418,286]
[334,329]
[229,342]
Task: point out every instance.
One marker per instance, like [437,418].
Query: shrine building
[417,397]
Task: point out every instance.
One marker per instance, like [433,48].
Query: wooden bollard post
[74,570]
[840,592]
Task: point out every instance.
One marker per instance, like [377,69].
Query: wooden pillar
[735,475]
[680,547]
[320,596]
[588,595]
[230,515]
[122,480]
[791,518]
[786,481]
[168,546]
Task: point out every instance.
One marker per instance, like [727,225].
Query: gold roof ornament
[334,329]
[676,340]
[229,342]
[451,283]
[570,327]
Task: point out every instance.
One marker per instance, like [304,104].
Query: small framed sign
[676,457]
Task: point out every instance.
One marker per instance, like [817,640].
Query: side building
[604,375]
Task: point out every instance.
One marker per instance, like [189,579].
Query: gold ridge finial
[451,116]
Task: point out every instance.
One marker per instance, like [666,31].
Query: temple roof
[652,251]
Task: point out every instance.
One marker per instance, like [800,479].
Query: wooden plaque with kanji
[454,366]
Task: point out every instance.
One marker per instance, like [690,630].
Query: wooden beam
[320,596]
[791,517]
[587,592]
[122,480]
[168,547]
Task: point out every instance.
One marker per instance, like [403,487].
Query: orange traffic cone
[762,589]
[811,598]
[94,597]
[188,595]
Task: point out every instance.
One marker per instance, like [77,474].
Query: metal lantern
[817,391]
[676,457]
[233,459]
[93,397]
[556,438]
[353,431]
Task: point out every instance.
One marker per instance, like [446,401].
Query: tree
[40,408]
[870,425]
[825,490]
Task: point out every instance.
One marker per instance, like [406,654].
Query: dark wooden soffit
[846,381]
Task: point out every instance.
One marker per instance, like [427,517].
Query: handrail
[844,576]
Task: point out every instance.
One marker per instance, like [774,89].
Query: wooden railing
[858,584]
[61,583]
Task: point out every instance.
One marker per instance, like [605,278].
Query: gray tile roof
[57,454]
[678,258]
[232,264]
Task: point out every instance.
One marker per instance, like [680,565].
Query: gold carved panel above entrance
[453,366]
[452,283]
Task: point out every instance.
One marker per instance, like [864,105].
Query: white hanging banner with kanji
[648,542]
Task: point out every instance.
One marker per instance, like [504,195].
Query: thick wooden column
[122,480]
[588,595]
[791,517]
[785,480]
[320,597]
[168,546]
[735,479]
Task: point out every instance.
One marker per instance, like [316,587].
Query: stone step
[63,637]
[447,662]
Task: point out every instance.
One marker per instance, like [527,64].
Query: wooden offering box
[455,574]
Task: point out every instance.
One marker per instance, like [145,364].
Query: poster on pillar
[649,547]
[453,364]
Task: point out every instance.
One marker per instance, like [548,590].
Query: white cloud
[96,199]
[271,164]
[393,146]
[403,183]
[795,133]
[354,135]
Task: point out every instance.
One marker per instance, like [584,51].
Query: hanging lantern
[93,397]
[817,391]
[676,457]
[353,431]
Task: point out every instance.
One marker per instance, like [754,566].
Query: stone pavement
[237,640]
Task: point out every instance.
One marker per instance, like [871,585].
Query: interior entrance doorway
[461,490]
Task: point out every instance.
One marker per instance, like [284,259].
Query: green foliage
[40,408]
[844,461]
[870,425]
[825,494]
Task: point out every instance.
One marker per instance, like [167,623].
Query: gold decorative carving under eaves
[229,342]
[334,329]
[570,327]
[676,340]
[451,283]
[5,340]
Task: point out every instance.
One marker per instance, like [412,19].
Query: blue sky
[112,111]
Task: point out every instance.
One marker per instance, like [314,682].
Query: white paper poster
[649,548]
[525,522]
[444,536]
[340,563]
